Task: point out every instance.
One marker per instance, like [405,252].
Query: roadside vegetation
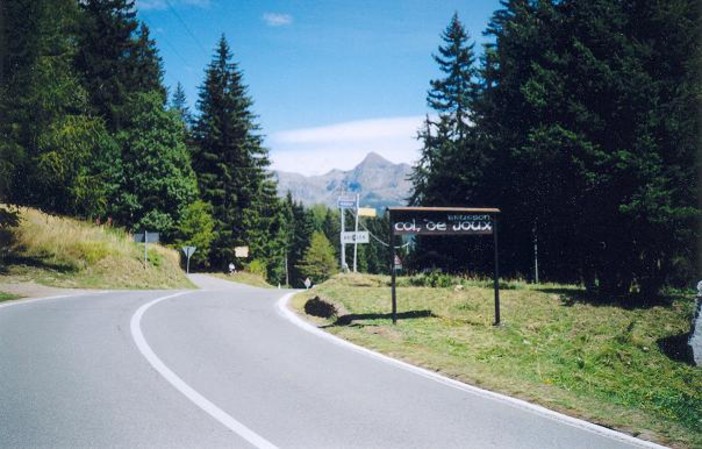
[63,252]
[244,277]
[619,366]
[8,296]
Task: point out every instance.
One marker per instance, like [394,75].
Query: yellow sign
[366,212]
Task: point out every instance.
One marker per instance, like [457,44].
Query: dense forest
[579,120]
[88,129]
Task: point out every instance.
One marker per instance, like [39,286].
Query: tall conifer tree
[107,42]
[228,156]
[448,141]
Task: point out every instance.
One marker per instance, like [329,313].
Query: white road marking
[285,311]
[217,413]
[24,301]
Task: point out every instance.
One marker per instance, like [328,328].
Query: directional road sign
[355,237]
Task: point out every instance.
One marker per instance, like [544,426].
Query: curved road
[225,367]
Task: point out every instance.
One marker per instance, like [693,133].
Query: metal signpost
[344,202]
[440,221]
[189,251]
[145,238]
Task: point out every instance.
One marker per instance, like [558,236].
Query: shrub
[258,267]
[318,307]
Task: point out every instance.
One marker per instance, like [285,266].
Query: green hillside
[64,252]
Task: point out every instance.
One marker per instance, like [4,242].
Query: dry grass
[63,252]
[605,363]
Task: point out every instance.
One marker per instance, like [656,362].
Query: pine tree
[453,96]
[56,150]
[318,262]
[179,103]
[228,156]
[106,45]
[299,232]
[448,141]
[591,138]
[143,65]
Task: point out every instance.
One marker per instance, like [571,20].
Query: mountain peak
[374,158]
[379,182]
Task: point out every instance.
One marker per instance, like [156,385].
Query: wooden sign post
[440,221]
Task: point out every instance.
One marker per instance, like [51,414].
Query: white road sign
[355,237]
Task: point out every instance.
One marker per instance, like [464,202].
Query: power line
[376,238]
[185,26]
[168,43]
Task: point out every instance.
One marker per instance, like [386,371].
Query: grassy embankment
[63,252]
[244,277]
[624,368]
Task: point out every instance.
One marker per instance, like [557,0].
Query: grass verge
[620,368]
[8,296]
[62,252]
[243,277]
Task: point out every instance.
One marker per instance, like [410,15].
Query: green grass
[611,365]
[63,252]
[8,296]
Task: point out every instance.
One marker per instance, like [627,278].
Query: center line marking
[196,398]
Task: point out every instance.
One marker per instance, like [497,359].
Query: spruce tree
[299,235]
[107,44]
[448,141]
[228,156]
[179,103]
[592,128]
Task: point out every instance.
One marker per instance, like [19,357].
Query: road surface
[224,367]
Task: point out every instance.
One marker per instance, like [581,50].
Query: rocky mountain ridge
[379,183]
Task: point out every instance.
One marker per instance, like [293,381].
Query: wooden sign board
[444,221]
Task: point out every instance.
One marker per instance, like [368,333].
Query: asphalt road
[224,367]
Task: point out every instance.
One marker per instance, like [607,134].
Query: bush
[318,307]
[434,279]
[257,266]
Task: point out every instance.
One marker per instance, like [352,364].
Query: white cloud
[277,19]
[315,151]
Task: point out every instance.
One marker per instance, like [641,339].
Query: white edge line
[196,398]
[286,312]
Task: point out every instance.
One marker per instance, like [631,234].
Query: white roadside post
[355,241]
[344,202]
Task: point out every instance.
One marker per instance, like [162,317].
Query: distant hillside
[379,182]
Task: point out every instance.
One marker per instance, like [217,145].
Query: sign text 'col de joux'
[442,223]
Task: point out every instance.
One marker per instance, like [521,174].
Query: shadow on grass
[349,319]
[37,262]
[569,297]
[676,348]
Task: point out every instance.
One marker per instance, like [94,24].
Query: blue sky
[331,80]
